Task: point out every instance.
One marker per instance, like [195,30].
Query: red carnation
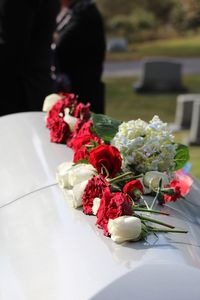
[95,187]
[112,206]
[80,141]
[82,136]
[85,128]
[81,153]
[59,131]
[106,156]
[134,188]
[67,100]
[175,188]
[82,111]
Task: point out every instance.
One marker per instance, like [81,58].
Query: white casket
[50,251]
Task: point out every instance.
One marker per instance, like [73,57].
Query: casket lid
[51,251]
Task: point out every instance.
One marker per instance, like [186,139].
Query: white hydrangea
[146,146]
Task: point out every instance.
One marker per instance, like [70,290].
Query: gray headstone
[117,45]
[160,76]
[195,125]
[184,110]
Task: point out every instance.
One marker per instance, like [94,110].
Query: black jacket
[80,51]
[26,29]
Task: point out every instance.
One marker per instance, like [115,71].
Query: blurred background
[142,29]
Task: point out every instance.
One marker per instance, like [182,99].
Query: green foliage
[120,24]
[105,126]
[182,156]
[161,9]
[178,17]
[133,19]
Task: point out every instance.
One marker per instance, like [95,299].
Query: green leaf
[81,161]
[105,127]
[182,156]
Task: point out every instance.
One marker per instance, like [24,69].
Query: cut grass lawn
[124,104]
[176,47]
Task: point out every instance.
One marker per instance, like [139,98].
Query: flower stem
[155,221]
[118,178]
[167,230]
[103,168]
[150,210]
[155,198]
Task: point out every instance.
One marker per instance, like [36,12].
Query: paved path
[134,68]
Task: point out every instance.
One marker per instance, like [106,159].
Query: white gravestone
[195,125]
[184,110]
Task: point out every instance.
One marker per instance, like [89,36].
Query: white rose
[70,120]
[74,196]
[95,207]
[62,170]
[76,174]
[125,228]
[152,178]
[49,101]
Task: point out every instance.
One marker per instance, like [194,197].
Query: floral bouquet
[114,165]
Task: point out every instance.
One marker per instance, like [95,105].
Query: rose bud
[125,228]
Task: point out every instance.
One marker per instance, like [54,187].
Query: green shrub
[143,20]
[132,26]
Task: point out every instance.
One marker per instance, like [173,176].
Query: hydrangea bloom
[146,146]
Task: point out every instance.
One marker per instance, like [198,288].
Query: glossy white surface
[27,159]
[49,251]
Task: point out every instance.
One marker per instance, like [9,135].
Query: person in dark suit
[80,51]
[26,29]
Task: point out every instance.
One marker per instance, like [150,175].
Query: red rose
[81,153]
[134,188]
[175,193]
[95,187]
[59,131]
[106,156]
[112,206]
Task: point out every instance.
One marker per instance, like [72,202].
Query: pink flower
[174,191]
[185,181]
